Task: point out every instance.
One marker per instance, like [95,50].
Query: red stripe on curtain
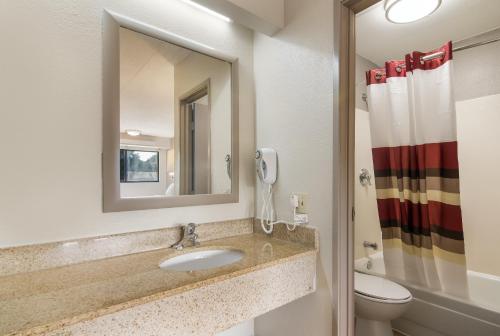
[447,216]
[392,209]
[442,155]
[422,217]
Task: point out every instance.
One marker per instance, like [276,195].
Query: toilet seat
[379,289]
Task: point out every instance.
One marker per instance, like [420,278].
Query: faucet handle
[194,239]
[365,177]
[370,245]
[190,228]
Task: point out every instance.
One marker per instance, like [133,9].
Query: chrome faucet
[189,234]
[370,245]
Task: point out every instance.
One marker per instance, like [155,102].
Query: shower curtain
[414,148]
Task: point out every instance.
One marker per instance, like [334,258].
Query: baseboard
[400,332]
[425,318]
[409,328]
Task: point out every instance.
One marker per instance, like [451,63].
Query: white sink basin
[201,260]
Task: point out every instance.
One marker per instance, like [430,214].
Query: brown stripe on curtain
[450,185]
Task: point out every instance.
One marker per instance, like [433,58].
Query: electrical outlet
[301,219]
[303,207]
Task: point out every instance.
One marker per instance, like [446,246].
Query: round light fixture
[405,11]
[133,132]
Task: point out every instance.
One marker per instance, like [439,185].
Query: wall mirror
[170,119]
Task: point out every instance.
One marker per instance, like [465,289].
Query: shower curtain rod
[441,53]
[464,47]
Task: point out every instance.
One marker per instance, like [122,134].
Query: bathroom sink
[201,260]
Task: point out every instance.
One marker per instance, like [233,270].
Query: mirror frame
[112,202]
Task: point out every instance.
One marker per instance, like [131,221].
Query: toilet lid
[378,287]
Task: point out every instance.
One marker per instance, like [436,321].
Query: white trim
[485,275]
[416,321]
[207,10]
[182,41]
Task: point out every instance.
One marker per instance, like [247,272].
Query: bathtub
[434,313]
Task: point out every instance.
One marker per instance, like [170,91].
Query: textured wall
[50,98]
[294,99]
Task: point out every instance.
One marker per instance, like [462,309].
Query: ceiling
[379,40]
[147,83]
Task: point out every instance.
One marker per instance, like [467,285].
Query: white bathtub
[435,313]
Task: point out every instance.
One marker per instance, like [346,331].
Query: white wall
[50,103]
[366,223]
[147,84]
[479,158]
[294,95]
[264,16]
[190,73]
[269,10]
[477,90]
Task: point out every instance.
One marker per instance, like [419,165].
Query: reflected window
[139,166]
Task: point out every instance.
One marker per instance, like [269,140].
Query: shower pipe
[467,46]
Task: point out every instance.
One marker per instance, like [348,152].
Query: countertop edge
[154,297]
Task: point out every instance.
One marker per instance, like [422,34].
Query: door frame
[184,140]
[345,45]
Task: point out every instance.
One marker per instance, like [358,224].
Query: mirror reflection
[175,119]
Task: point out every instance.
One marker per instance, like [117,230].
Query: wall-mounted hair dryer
[267,165]
[267,170]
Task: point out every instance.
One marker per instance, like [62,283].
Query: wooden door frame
[345,48]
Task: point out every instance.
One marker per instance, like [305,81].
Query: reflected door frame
[186,145]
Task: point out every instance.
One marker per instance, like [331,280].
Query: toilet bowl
[378,301]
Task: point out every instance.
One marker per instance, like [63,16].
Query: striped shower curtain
[414,148]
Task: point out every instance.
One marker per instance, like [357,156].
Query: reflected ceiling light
[207,10]
[405,11]
[133,132]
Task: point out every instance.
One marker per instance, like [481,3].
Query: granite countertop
[52,298]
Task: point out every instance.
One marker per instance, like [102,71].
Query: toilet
[378,301]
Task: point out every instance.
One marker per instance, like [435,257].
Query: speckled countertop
[49,299]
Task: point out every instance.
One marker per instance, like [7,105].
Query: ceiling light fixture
[405,11]
[133,132]
[207,10]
